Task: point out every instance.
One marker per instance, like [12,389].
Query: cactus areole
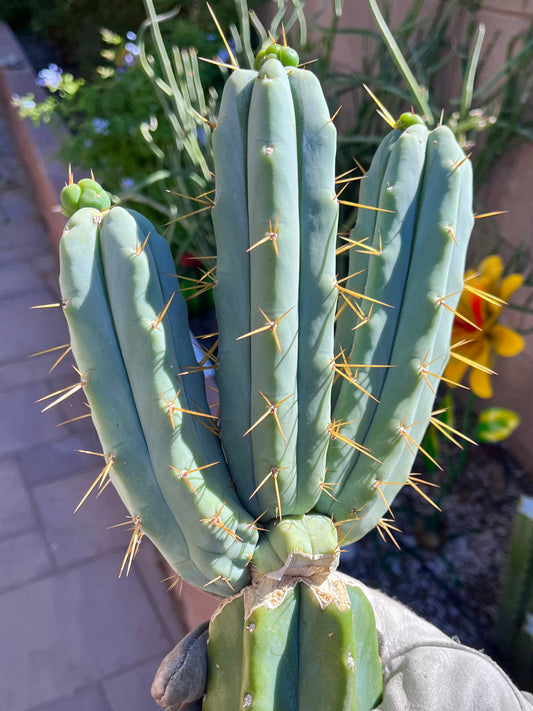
[326,382]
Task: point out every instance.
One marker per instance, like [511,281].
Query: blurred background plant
[70,28]
[141,118]
[445,50]
[142,113]
[480,338]
[137,131]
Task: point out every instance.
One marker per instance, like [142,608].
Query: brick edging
[36,148]
[45,196]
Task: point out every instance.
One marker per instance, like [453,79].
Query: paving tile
[78,537]
[148,563]
[16,510]
[55,460]
[24,371]
[81,428]
[23,425]
[19,278]
[30,330]
[91,699]
[12,175]
[130,691]
[25,230]
[18,204]
[71,630]
[16,252]
[47,266]
[23,558]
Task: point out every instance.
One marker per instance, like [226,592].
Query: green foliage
[144,147]
[118,129]
[73,25]
[62,86]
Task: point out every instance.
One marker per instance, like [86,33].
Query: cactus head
[408,119]
[86,193]
[286,55]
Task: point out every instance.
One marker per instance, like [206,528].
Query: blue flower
[131,48]
[223,56]
[51,77]
[200,135]
[131,36]
[100,125]
[27,104]
[127,183]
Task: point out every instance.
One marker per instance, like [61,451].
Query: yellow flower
[490,338]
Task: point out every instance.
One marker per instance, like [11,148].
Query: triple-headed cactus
[326,383]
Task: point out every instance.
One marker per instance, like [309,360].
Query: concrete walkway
[73,634]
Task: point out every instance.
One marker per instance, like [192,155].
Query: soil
[451,563]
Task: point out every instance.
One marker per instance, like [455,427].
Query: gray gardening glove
[182,675]
[423,669]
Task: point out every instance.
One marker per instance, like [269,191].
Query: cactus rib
[232,295]
[316,139]
[273,207]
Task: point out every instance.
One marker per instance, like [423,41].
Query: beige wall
[511,187]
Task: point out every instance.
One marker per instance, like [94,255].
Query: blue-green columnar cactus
[326,382]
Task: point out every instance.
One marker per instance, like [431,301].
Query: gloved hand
[182,675]
[423,669]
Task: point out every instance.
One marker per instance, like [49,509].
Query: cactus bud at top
[286,55]
[86,193]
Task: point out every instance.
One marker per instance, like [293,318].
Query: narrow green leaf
[468,86]
[399,60]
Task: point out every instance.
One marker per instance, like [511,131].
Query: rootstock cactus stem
[326,381]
